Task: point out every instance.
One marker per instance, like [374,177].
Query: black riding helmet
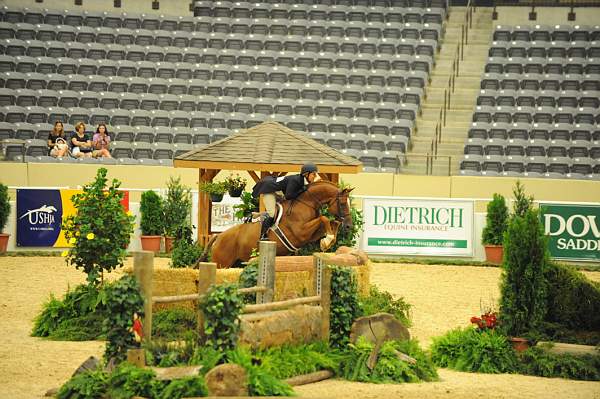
[308,168]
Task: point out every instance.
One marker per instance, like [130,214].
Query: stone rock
[174,373]
[379,328]
[51,392]
[90,364]
[227,380]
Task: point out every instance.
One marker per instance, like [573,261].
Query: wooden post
[207,272]
[266,270]
[143,270]
[204,206]
[137,357]
[325,302]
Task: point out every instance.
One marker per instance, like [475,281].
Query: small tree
[101,229]
[496,221]
[152,220]
[522,202]
[177,206]
[4,206]
[523,286]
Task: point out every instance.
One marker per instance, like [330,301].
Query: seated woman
[57,142]
[101,142]
[81,142]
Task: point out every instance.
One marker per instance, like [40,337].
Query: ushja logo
[42,215]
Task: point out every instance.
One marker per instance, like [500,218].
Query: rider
[292,186]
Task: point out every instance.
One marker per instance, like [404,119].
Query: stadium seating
[538,111]
[351,76]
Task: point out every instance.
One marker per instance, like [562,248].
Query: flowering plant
[234,183]
[488,320]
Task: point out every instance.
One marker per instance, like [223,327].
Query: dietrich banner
[418,227]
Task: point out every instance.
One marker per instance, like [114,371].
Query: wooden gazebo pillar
[204,206]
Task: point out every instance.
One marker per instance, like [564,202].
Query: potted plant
[493,233]
[245,209]
[4,212]
[177,208]
[215,190]
[235,185]
[151,223]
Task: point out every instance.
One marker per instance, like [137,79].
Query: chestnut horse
[302,223]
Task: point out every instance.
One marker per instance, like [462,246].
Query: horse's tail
[211,241]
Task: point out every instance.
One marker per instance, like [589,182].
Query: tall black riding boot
[264,227]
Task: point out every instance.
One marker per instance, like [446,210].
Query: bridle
[342,206]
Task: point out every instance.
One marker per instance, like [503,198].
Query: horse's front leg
[314,228]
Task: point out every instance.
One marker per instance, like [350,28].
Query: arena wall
[547,16]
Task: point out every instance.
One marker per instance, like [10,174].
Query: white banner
[398,226]
[223,214]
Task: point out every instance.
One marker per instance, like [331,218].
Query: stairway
[458,118]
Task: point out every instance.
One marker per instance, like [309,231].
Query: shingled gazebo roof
[268,146]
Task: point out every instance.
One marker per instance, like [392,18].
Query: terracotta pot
[3,242]
[519,344]
[151,243]
[493,253]
[169,244]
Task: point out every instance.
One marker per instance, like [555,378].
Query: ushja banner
[418,227]
[40,214]
[573,230]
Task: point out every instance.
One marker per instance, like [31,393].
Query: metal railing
[450,87]
[440,165]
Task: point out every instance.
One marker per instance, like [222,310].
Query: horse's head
[340,207]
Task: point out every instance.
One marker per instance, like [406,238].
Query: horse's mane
[323,182]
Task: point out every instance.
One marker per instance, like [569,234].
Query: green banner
[573,231]
[416,242]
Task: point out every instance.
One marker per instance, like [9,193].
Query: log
[173,373]
[572,349]
[251,290]
[309,378]
[264,307]
[176,298]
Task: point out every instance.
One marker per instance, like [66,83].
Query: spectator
[57,143]
[80,140]
[101,142]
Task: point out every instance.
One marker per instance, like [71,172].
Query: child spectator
[57,143]
[101,142]
[81,142]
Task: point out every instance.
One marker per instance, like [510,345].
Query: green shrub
[174,324]
[260,381]
[88,385]
[539,362]
[222,307]
[152,215]
[185,253]
[77,317]
[127,381]
[485,351]
[249,278]
[556,332]
[100,230]
[122,300]
[389,368]
[345,307]
[523,285]
[496,221]
[572,299]
[522,203]
[289,361]
[177,206]
[4,206]
[185,387]
[383,302]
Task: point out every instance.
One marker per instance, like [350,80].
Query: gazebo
[266,149]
